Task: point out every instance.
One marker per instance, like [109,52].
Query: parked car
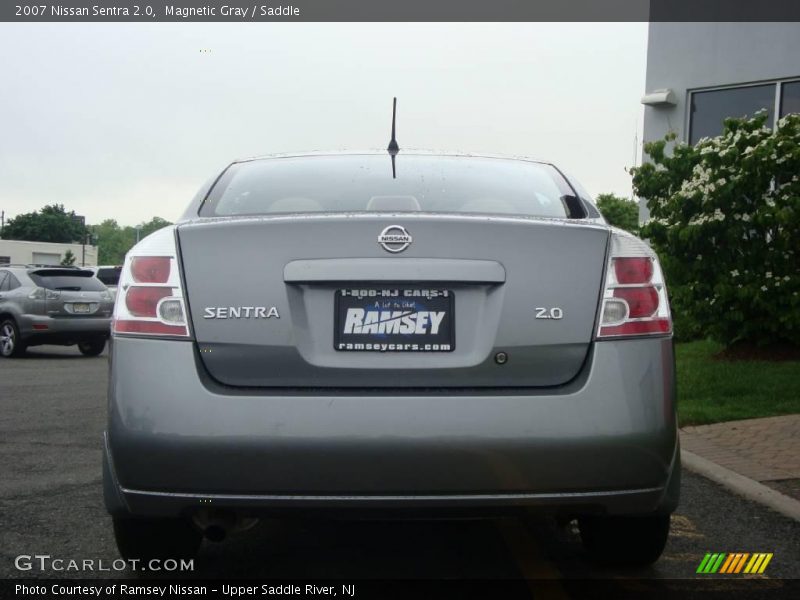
[462,335]
[52,305]
[109,275]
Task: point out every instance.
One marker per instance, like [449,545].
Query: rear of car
[459,335]
[53,305]
[109,276]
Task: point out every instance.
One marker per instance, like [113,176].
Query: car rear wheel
[10,343]
[147,539]
[624,540]
[92,348]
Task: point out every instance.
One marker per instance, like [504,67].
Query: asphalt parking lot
[53,413]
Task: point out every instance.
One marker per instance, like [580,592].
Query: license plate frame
[420,320]
[81,308]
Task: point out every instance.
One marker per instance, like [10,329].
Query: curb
[744,486]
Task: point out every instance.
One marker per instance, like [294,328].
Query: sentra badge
[240,312]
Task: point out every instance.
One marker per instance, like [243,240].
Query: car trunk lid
[514,300]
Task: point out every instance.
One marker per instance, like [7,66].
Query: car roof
[31,267]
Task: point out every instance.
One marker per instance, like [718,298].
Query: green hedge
[725,221]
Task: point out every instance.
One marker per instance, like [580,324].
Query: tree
[54,224]
[114,241]
[152,225]
[726,225]
[620,212]
[51,224]
[69,258]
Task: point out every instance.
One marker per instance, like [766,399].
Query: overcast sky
[127,121]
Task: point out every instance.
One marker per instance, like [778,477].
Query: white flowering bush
[725,221]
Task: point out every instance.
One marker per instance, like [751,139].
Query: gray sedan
[434,335]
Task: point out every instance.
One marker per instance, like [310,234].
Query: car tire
[635,541]
[11,344]
[151,538]
[92,348]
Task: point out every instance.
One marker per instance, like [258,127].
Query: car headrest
[389,203]
[489,205]
[295,204]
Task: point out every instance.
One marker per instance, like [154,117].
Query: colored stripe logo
[733,563]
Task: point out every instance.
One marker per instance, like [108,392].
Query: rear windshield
[352,183]
[109,276]
[80,281]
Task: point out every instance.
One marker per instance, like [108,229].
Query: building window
[790,98]
[710,108]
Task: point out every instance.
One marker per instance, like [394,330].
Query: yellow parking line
[682,526]
[542,576]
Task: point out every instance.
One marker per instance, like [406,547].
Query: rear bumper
[177,441]
[35,329]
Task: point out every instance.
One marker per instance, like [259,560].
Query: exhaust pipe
[216,524]
[215,533]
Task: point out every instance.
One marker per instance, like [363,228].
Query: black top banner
[399,10]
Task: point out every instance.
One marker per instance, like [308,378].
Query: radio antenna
[393,147]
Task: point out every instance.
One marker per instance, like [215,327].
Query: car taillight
[635,297]
[150,269]
[40,293]
[142,301]
[150,295]
[633,269]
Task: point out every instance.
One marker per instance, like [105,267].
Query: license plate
[80,307]
[394,320]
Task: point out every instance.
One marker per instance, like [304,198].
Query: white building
[45,253]
[700,73]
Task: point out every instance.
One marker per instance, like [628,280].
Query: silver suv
[52,305]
